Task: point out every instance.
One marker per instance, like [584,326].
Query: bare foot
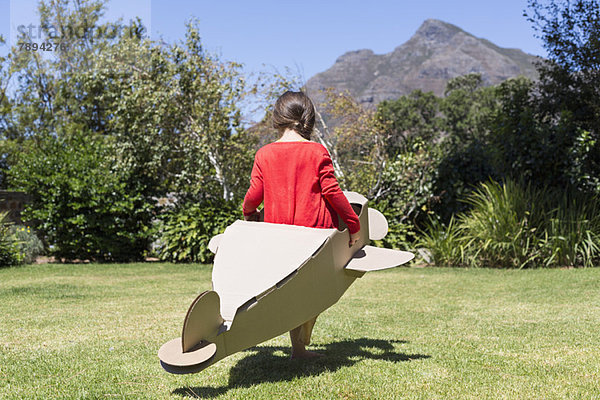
[305,355]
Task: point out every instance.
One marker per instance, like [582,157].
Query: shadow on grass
[264,365]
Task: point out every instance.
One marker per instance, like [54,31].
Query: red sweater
[297,184]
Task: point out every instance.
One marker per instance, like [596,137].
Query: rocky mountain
[437,52]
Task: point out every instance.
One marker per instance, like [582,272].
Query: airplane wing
[371,258]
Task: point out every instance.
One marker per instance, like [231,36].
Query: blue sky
[308,35]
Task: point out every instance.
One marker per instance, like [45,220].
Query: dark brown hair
[294,110]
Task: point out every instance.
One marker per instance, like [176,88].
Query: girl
[294,178]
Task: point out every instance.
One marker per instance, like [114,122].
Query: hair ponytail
[294,110]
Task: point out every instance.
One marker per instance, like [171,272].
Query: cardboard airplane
[270,278]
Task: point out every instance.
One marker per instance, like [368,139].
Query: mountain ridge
[436,53]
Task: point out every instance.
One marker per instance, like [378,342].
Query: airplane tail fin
[195,348]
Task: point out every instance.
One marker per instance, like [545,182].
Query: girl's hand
[255,216]
[353,238]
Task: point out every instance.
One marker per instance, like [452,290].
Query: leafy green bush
[28,244]
[9,246]
[82,203]
[406,196]
[513,225]
[443,243]
[186,230]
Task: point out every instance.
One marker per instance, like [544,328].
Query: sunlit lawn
[93,331]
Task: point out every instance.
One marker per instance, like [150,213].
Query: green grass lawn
[93,331]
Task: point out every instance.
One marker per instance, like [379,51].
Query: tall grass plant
[516,225]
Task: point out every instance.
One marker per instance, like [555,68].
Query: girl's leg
[300,338]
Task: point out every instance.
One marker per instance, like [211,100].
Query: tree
[381,156]
[524,147]
[165,118]
[569,86]
[173,110]
[570,79]
[5,114]
[410,117]
[355,143]
[467,108]
[467,111]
